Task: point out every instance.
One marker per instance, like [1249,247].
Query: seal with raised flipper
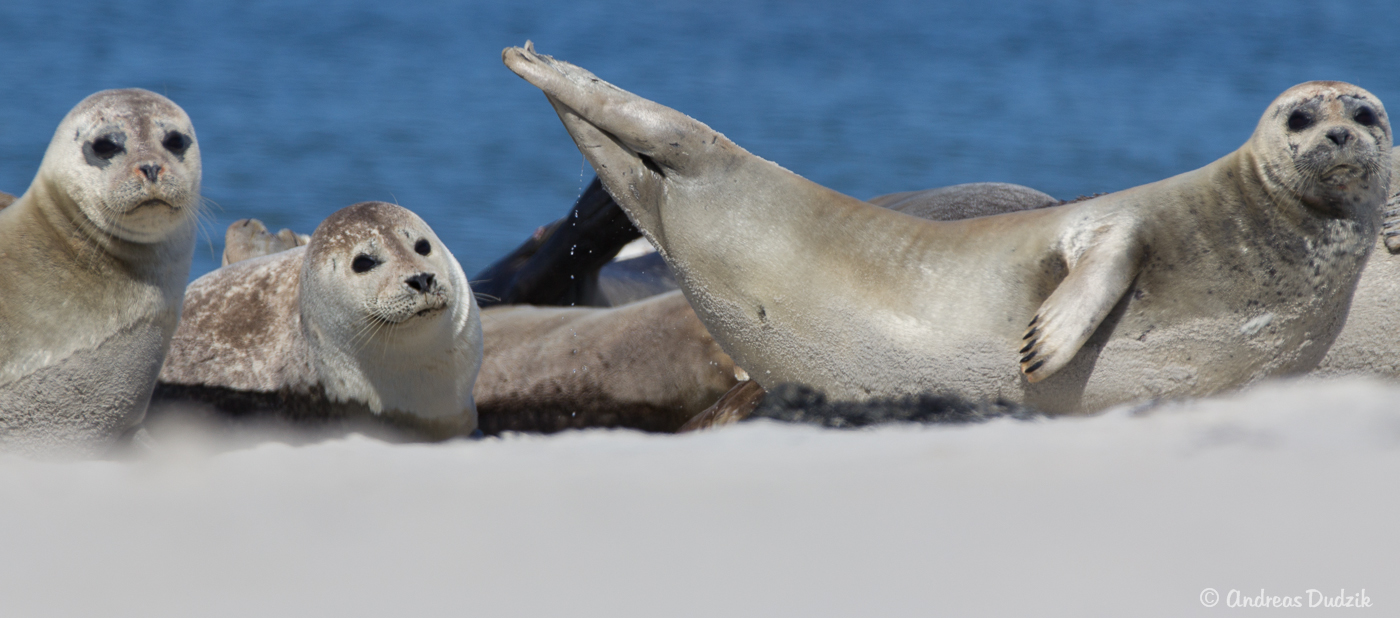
[96,254]
[373,319]
[1204,281]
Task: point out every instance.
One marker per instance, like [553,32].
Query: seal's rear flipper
[736,405]
[249,238]
[630,141]
[1098,277]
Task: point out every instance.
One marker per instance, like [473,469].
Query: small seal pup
[1201,282]
[372,318]
[96,254]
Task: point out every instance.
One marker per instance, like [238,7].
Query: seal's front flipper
[1098,277]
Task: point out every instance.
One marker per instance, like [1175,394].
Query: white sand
[1286,488]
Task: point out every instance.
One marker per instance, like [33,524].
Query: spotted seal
[373,318]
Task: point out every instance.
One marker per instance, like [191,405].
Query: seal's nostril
[1339,136]
[421,282]
[152,172]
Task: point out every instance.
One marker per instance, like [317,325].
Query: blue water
[304,107]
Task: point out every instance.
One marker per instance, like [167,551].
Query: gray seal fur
[1201,282]
[96,254]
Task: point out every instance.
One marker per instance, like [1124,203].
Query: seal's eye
[363,263]
[423,247]
[176,142]
[1365,116]
[105,148]
[1299,120]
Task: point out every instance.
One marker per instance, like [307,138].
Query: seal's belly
[83,403]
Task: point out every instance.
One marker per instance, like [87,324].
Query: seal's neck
[69,231]
[1276,186]
[1266,194]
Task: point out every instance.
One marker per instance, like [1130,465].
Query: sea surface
[302,108]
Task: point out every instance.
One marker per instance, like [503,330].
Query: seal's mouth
[1341,175]
[1327,208]
[153,203]
[429,311]
[404,311]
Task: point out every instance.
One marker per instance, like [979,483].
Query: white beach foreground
[1286,488]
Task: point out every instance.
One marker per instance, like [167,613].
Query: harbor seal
[96,254]
[372,318]
[1201,282]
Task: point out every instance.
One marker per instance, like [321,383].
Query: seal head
[138,179]
[390,303]
[1326,144]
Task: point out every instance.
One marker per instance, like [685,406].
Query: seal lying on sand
[372,318]
[1204,281]
[647,365]
[96,254]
